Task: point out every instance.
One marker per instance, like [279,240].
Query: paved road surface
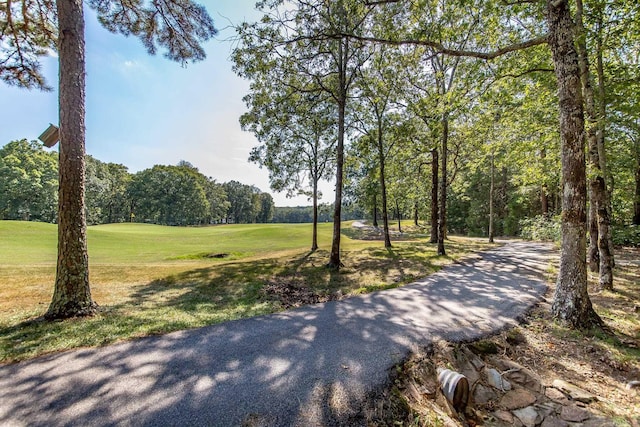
[302,367]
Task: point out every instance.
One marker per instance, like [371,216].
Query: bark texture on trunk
[491,196]
[375,211]
[334,257]
[636,202]
[434,196]
[383,187]
[600,255]
[442,217]
[314,239]
[72,294]
[571,303]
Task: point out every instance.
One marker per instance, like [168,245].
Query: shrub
[628,235]
[545,228]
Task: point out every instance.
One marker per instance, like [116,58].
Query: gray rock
[495,380]
[505,416]
[574,414]
[519,374]
[554,422]
[482,395]
[555,395]
[575,392]
[517,399]
[529,416]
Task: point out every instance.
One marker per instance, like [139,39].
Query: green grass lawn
[150,279]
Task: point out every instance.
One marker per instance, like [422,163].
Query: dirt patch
[538,374]
[291,295]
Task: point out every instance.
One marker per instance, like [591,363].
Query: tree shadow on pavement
[309,366]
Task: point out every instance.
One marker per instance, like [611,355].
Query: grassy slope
[151,279]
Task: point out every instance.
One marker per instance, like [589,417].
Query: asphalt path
[309,366]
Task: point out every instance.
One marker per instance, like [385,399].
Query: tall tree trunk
[606,255]
[72,295]
[571,303]
[544,196]
[334,257]
[636,201]
[434,196]
[593,253]
[599,221]
[383,188]
[375,210]
[442,217]
[491,196]
[314,239]
[399,217]
[415,214]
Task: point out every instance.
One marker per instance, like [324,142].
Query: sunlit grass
[152,280]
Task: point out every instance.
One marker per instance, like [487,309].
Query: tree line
[473,115]
[167,195]
[397,101]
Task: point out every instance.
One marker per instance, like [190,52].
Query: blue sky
[144,110]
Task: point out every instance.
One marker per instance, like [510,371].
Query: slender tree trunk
[593,253]
[571,303]
[375,210]
[383,188]
[636,201]
[544,192]
[415,214]
[599,221]
[399,217]
[442,218]
[491,197]
[607,258]
[314,241]
[434,196]
[334,258]
[72,294]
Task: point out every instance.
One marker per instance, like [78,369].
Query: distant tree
[106,192]
[241,202]
[169,195]
[265,208]
[218,201]
[28,182]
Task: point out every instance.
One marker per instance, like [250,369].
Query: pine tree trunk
[72,294]
[442,218]
[571,303]
[434,196]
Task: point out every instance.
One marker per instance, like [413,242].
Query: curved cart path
[300,367]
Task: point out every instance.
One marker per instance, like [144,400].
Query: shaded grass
[178,286]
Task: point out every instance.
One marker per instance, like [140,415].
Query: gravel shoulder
[308,366]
